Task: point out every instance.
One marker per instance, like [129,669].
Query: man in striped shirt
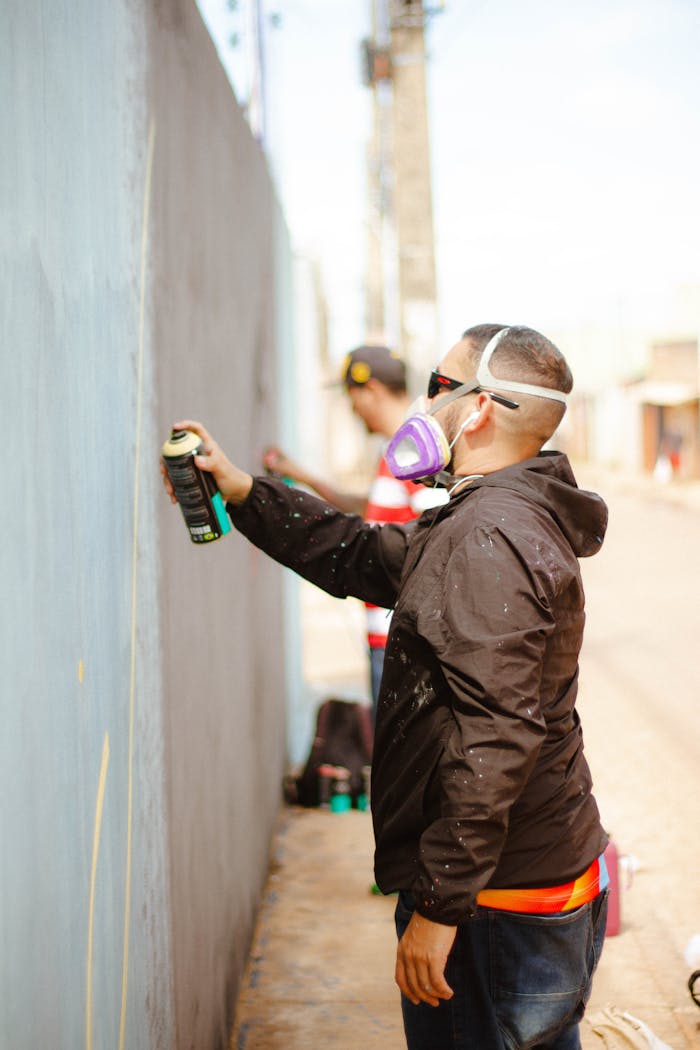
[375,380]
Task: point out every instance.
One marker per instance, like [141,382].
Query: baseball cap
[373,362]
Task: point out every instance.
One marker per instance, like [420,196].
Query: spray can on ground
[364,796]
[200,501]
[612,862]
[341,799]
[326,776]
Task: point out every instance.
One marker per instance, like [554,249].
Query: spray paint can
[200,501]
[341,798]
[326,776]
[364,796]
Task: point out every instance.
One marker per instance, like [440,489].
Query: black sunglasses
[438,384]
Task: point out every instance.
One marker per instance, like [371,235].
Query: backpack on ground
[343,737]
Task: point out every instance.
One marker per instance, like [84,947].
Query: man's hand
[234,484]
[278,463]
[421,959]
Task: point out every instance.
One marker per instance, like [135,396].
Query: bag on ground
[343,738]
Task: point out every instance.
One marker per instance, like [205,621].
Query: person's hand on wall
[234,484]
[279,465]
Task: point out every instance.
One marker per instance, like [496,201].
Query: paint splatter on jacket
[479,777]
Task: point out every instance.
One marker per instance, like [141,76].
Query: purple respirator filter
[418,449]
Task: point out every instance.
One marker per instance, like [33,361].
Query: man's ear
[481,415]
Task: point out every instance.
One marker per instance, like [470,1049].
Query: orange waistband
[550,899]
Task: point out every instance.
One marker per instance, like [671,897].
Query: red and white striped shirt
[393,501]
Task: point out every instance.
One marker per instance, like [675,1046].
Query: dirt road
[640,706]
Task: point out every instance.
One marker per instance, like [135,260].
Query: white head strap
[486,378]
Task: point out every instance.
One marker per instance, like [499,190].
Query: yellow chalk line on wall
[93,875]
[134,574]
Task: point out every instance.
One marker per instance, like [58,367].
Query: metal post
[412,185]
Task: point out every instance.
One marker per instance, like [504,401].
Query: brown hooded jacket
[479,777]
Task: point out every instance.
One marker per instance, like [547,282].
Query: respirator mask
[420,449]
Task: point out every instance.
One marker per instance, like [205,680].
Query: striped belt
[547,900]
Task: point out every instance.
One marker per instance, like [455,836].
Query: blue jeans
[520,982]
[376,666]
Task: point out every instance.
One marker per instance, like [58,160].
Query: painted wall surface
[143,685]
[217,274]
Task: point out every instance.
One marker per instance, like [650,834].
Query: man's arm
[278,464]
[338,552]
[341,553]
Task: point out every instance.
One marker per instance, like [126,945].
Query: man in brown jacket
[482,803]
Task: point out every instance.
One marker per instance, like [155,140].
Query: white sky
[565,141]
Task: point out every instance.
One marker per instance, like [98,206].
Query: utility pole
[376,71]
[395,70]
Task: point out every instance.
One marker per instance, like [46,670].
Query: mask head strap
[445,399]
[486,379]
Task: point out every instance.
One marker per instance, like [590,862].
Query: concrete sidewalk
[321,967]
[322,963]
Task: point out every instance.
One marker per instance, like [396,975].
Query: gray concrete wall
[216,236]
[143,688]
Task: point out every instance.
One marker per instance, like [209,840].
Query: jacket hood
[548,480]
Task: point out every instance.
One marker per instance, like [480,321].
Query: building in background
[648,424]
[668,411]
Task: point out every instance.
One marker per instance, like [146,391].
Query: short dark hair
[523,354]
